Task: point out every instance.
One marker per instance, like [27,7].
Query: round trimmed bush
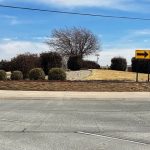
[74,63]
[37,74]
[16,75]
[118,63]
[3,75]
[56,74]
[50,60]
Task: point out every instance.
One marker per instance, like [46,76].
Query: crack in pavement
[24,131]
[113,137]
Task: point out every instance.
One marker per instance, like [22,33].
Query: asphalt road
[75,124]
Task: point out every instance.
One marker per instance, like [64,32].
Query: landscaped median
[97,86]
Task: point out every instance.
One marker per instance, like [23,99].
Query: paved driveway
[74,124]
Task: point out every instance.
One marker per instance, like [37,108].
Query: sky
[26,31]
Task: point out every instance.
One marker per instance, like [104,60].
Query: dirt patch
[98,86]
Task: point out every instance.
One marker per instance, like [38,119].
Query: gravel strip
[78,75]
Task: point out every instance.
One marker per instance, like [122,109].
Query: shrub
[50,60]
[5,65]
[74,63]
[89,65]
[140,65]
[25,62]
[56,74]
[118,63]
[37,74]
[3,75]
[16,75]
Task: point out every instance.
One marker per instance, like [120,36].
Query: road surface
[59,124]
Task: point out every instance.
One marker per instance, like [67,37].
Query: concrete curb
[62,95]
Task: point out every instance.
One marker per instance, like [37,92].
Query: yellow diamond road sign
[142,54]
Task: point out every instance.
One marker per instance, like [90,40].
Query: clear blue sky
[22,31]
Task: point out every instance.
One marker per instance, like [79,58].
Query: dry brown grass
[86,86]
[115,75]
[99,81]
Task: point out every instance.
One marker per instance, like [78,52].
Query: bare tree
[74,41]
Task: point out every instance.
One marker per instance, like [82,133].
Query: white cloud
[6,39]
[7,17]
[43,38]
[142,32]
[14,20]
[126,5]
[10,48]
[80,3]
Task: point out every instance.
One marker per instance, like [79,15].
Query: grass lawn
[115,75]
[98,86]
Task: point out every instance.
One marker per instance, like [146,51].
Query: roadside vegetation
[70,46]
[16,75]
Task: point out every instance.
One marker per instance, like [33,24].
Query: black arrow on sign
[145,54]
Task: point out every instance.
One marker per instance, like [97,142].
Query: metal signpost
[143,54]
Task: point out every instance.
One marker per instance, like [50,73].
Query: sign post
[148,71]
[143,54]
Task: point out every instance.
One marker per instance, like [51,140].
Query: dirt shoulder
[84,86]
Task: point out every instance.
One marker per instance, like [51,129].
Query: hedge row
[26,62]
[36,74]
[76,63]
